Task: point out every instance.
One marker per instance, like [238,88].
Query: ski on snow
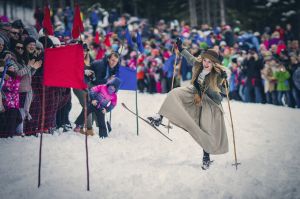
[146,121]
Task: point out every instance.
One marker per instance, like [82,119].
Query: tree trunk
[5,7]
[193,13]
[135,6]
[222,12]
[11,11]
[203,12]
[208,12]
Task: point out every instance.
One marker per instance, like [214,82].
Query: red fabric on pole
[96,39]
[77,23]
[107,40]
[64,67]
[47,25]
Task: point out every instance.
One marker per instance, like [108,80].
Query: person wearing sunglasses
[25,70]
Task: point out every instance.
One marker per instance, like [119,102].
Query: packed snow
[150,166]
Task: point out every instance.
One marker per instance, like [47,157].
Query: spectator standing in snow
[103,99]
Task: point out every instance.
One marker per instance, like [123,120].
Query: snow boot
[89,131]
[206,162]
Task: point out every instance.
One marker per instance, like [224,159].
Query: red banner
[64,67]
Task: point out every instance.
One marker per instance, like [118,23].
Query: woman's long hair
[213,80]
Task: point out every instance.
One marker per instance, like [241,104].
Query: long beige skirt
[205,123]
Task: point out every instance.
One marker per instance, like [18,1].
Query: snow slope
[149,166]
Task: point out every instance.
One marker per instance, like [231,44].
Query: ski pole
[233,136]
[174,70]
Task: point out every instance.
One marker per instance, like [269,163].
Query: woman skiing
[197,108]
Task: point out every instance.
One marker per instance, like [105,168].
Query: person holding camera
[27,66]
[283,87]
[251,69]
[197,108]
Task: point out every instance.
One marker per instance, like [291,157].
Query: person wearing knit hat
[47,43]
[39,46]
[197,108]
[55,41]
[103,99]
[29,44]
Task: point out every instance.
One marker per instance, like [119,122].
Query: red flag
[77,23]
[100,54]
[64,67]
[47,25]
[107,39]
[96,39]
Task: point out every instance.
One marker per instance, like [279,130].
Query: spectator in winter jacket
[105,69]
[234,80]
[295,73]
[282,76]
[269,81]
[140,76]
[103,99]
[94,20]
[251,69]
[25,71]
[11,117]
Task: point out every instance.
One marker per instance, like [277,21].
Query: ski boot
[206,162]
[155,120]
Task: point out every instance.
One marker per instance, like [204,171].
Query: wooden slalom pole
[233,135]
[172,86]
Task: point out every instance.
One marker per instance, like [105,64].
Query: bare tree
[208,12]
[5,7]
[222,10]
[193,13]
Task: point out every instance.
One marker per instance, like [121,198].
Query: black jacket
[102,71]
[251,69]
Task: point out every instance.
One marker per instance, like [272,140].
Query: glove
[223,74]
[179,44]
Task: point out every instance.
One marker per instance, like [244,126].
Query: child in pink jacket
[103,99]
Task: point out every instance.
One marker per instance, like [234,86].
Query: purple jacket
[104,99]
[11,91]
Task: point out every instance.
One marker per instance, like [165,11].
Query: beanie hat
[39,45]
[29,40]
[54,40]
[49,42]
[211,55]
[17,24]
[116,82]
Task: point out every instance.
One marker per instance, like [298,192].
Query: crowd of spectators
[262,67]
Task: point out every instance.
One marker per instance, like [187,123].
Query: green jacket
[282,78]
